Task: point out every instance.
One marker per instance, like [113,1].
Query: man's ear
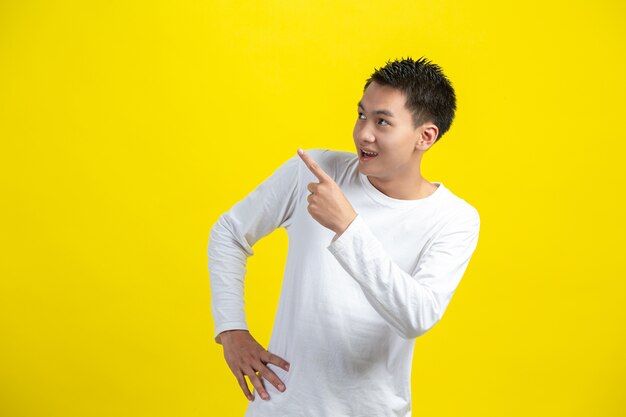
[426,136]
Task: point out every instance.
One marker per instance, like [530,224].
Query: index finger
[313,166]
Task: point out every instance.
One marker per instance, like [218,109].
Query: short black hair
[429,94]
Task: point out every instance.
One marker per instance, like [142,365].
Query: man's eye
[386,123]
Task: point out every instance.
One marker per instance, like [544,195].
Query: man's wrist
[342,229]
[226,334]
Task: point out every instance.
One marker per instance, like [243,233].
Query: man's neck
[404,189]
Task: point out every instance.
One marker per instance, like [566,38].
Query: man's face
[385,126]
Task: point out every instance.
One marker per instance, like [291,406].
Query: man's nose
[364,134]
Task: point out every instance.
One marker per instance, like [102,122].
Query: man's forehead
[383,98]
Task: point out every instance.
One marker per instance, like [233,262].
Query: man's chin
[365,170]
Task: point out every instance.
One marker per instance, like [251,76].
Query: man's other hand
[245,357]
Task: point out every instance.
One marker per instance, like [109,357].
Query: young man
[375,253]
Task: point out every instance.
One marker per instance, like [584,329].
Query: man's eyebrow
[385,112]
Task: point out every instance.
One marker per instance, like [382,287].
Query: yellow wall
[127,128]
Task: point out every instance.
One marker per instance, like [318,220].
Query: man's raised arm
[411,304]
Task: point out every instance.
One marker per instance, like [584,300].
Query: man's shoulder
[460,209]
[331,161]
[324,154]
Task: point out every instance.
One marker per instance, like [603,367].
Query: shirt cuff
[231,325]
[356,230]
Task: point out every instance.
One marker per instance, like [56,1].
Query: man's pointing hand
[327,203]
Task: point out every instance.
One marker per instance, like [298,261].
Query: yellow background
[127,128]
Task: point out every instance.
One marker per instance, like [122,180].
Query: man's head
[429,94]
[406,107]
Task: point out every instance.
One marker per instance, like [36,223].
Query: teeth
[370,153]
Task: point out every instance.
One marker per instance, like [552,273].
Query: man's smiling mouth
[368,154]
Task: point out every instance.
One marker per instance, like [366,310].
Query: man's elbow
[411,332]
[422,322]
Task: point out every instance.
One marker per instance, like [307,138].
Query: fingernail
[281,387]
[264,396]
[287,367]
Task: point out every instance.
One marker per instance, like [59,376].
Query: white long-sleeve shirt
[351,308]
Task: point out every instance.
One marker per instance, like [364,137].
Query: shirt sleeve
[411,304]
[270,206]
